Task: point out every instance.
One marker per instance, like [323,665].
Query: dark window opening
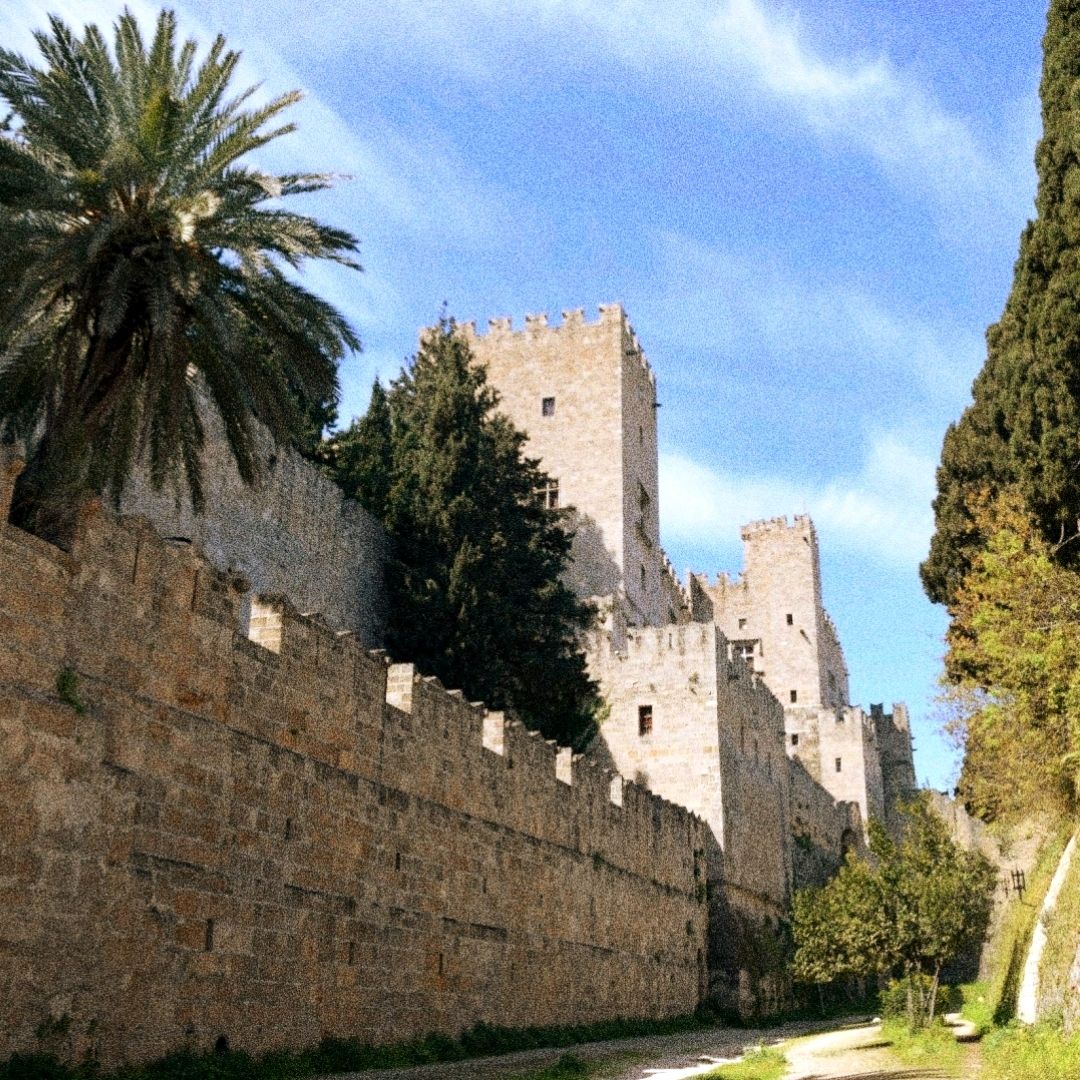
[547,407]
[790,619]
[794,740]
[742,624]
[644,720]
[839,765]
[794,696]
[548,494]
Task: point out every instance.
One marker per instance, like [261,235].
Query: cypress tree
[474,583]
[361,456]
[1023,426]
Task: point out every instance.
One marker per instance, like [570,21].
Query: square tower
[774,617]
[585,395]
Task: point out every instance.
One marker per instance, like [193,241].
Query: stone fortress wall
[209,839]
[292,533]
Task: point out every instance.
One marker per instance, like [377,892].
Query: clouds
[755,51]
[882,512]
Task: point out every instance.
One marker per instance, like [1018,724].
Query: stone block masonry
[205,838]
[293,532]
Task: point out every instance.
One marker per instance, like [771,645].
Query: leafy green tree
[474,583]
[143,261]
[1014,664]
[1023,426]
[910,910]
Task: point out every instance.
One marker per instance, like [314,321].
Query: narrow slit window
[644,720]
[839,765]
[547,406]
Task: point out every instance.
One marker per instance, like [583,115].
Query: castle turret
[774,616]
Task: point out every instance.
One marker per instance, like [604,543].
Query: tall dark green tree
[474,583]
[1023,426]
[362,456]
[144,266]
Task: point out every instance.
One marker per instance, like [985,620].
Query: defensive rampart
[206,838]
[291,532]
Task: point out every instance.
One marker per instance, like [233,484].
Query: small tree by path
[906,912]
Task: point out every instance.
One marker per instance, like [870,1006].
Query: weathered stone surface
[204,837]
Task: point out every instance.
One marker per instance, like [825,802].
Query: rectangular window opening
[839,765]
[795,740]
[794,696]
[742,624]
[548,494]
[644,720]
[547,407]
[790,619]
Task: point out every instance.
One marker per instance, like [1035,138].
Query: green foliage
[145,265]
[977,1006]
[1042,1052]
[1023,425]
[475,595]
[762,1063]
[362,456]
[933,1046]
[350,1055]
[913,909]
[67,689]
[1014,662]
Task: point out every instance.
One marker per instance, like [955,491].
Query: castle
[235,819]
[731,697]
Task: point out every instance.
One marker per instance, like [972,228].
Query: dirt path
[662,1057]
[822,1051]
[860,1054]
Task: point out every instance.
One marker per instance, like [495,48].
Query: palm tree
[146,270]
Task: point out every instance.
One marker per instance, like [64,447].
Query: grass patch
[764,1063]
[934,1046]
[1060,950]
[977,1006]
[1009,944]
[352,1055]
[1038,1053]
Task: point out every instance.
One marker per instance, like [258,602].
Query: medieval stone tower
[586,395]
[774,616]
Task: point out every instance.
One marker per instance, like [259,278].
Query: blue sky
[810,210]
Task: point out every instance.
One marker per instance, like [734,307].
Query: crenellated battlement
[574,326]
[801,523]
[254,805]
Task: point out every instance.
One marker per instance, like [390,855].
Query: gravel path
[661,1057]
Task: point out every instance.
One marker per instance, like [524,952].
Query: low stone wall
[206,838]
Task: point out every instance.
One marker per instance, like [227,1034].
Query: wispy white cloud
[882,511]
[737,300]
[752,49]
